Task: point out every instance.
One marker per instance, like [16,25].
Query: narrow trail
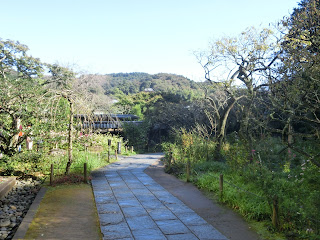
[131,205]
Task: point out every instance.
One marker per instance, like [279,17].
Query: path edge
[24,226]
[253,235]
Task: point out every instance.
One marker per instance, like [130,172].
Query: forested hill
[131,83]
[136,82]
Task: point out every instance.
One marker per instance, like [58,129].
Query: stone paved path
[131,205]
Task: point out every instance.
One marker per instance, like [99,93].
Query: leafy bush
[137,135]
[23,163]
[99,140]
[236,155]
[252,180]
[173,158]
[210,166]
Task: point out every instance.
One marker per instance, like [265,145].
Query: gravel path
[131,205]
[14,206]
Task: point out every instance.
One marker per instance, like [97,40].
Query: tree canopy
[20,92]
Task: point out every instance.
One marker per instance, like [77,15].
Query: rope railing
[243,190]
[275,203]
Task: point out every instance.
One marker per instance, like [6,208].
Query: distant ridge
[135,82]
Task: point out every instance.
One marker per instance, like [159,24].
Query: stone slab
[107,218]
[134,212]
[141,223]
[148,234]
[116,231]
[108,208]
[161,214]
[185,236]
[142,208]
[172,227]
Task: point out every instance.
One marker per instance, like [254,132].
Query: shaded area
[66,212]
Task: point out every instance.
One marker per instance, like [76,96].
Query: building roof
[109,117]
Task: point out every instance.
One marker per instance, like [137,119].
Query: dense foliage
[265,125]
[19,93]
[38,102]
[253,180]
[256,119]
[130,83]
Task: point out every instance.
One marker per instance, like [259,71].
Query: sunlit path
[131,205]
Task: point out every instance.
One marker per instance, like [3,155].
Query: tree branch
[269,65]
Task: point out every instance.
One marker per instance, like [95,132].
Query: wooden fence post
[85,177]
[221,185]
[207,151]
[275,212]
[116,153]
[131,149]
[170,159]
[51,174]
[119,147]
[188,170]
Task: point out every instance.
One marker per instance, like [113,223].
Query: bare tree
[234,64]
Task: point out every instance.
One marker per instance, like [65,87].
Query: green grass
[250,190]
[93,160]
[261,173]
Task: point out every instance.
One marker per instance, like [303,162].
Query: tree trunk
[70,137]
[222,128]
[290,141]
[244,132]
[12,142]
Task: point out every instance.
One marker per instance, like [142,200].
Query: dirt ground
[224,219]
[66,212]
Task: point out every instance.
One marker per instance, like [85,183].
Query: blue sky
[103,36]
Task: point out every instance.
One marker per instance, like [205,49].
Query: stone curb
[24,226]
[7,186]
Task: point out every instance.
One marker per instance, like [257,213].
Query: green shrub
[99,140]
[237,155]
[137,135]
[253,179]
[24,163]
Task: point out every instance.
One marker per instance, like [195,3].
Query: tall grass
[93,160]
[253,179]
